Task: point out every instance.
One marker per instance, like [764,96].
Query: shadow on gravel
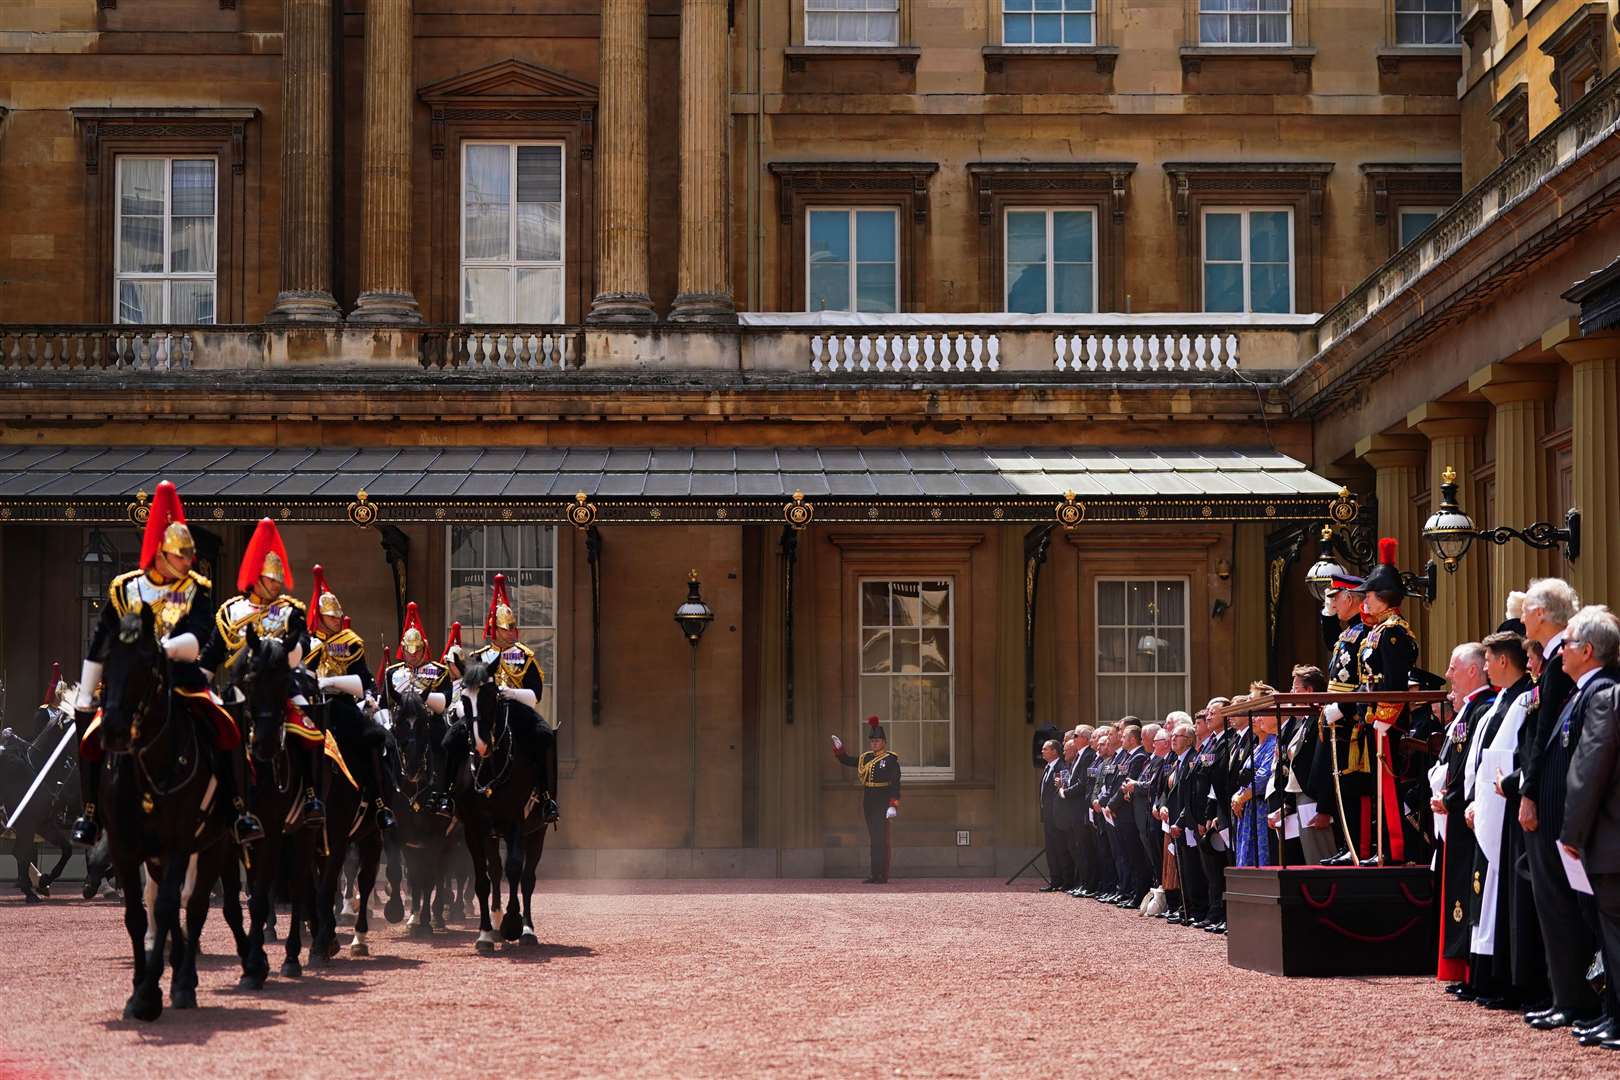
[194,1027]
[313,988]
[377,963]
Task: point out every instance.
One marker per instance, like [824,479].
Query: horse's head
[412,729]
[132,679]
[265,680]
[482,701]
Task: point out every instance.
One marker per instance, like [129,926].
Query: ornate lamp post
[1450,531]
[693,616]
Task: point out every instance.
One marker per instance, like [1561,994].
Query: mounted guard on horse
[337,656]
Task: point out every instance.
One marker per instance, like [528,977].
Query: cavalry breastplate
[170,601]
[267,620]
[335,655]
[509,665]
[403,678]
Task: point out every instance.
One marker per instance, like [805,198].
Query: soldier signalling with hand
[879,772]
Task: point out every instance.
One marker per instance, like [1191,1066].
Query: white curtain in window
[852,22]
[488,186]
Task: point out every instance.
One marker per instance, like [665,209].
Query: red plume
[497,599]
[315,597]
[345,622]
[872,721]
[1386,550]
[266,539]
[453,637]
[166,510]
[56,679]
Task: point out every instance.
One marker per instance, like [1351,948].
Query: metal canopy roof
[661,483]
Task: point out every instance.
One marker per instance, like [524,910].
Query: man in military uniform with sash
[1331,783]
[879,773]
[1388,652]
[166,584]
[415,672]
[520,682]
[337,656]
[263,603]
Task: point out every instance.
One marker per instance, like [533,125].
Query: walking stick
[1338,790]
[1379,742]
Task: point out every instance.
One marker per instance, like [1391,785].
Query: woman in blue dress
[1255,846]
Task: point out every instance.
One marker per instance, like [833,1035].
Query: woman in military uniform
[166,583]
[262,603]
[1388,652]
[337,656]
[879,773]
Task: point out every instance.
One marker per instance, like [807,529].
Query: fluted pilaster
[1397,462]
[704,277]
[385,249]
[1459,612]
[1520,394]
[1595,448]
[622,294]
[306,165]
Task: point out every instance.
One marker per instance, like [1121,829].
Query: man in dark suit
[1074,814]
[1550,605]
[1205,806]
[1128,765]
[1057,851]
[1184,750]
[1591,825]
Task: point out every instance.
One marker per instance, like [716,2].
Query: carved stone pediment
[508,82]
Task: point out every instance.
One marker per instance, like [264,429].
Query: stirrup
[85,832]
[385,816]
[313,813]
[247,829]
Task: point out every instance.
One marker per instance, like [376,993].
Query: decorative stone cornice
[1109,179]
[852,177]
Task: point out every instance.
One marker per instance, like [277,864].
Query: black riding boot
[313,812]
[85,830]
[385,816]
[232,773]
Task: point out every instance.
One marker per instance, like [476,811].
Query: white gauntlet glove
[345,684]
[1332,713]
[183,648]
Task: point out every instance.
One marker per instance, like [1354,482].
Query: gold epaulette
[1342,687]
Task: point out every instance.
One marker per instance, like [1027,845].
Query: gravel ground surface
[729,978]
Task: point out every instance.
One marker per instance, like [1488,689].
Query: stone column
[385,244]
[1595,447]
[622,166]
[1459,611]
[1398,461]
[704,290]
[306,165]
[1520,394]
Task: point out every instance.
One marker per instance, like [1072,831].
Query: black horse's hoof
[394,909]
[31,897]
[182,999]
[44,887]
[439,923]
[332,949]
[253,981]
[292,969]
[529,941]
[421,930]
[89,890]
[511,926]
[485,948]
[143,1008]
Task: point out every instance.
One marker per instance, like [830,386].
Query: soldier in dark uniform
[264,604]
[175,593]
[1388,652]
[1333,733]
[879,773]
[337,656]
[414,671]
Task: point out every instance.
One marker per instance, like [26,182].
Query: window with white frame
[1415,219]
[908,670]
[1048,22]
[512,232]
[1142,666]
[1428,22]
[854,260]
[1245,22]
[1051,261]
[852,22]
[1249,260]
[527,555]
[166,240]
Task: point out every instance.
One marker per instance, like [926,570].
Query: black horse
[348,821]
[428,837]
[497,795]
[53,804]
[286,856]
[161,811]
